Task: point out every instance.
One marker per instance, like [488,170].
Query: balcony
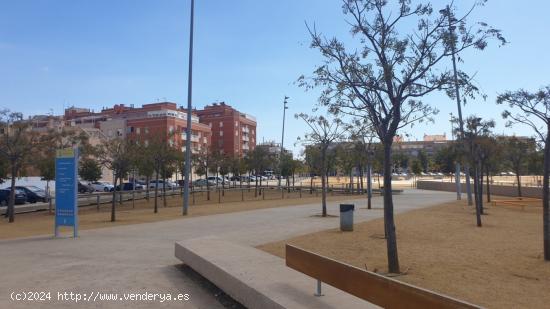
[245,138]
[245,129]
[194,138]
[245,147]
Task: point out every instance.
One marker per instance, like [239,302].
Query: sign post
[66,189]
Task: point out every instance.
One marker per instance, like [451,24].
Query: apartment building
[150,121]
[233,132]
[165,119]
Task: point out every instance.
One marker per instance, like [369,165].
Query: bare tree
[516,152]
[386,78]
[115,155]
[364,135]
[324,133]
[476,134]
[534,111]
[17,143]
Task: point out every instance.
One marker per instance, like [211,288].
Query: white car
[168,185]
[102,186]
[218,179]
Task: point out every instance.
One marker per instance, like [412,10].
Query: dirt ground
[41,223]
[498,265]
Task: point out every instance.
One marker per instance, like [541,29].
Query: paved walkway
[140,258]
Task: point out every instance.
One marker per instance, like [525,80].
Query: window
[221,124]
[138,130]
[236,132]
[236,123]
[221,133]
[171,129]
[146,130]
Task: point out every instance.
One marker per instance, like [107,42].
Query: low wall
[534,192]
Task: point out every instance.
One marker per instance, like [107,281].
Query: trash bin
[346,217]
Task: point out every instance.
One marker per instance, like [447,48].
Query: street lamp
[282,141]
[447,13]
[187,167]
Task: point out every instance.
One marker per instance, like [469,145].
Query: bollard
[97,202]
[346,217]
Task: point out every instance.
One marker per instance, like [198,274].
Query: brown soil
[498,265]
[42,223]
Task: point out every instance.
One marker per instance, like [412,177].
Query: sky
[248,53]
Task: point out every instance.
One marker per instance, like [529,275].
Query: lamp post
[187,167]
[447,13]
[282,141]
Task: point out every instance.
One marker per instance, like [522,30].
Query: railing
[230,192]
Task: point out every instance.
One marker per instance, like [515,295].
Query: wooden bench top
[370,286]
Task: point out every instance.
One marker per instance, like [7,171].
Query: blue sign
[66,189]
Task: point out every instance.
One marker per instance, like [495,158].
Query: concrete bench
[257,279]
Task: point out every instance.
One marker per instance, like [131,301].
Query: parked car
[203,183]
[34,194]
[142,182]
[235,178]
[129,186]
[20,197]
[102,186]
[217,179]
[169,185]
[82,188]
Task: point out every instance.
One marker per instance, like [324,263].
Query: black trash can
[346,217]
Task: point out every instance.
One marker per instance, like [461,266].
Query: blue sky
[248,53]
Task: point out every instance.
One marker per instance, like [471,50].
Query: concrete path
[140,258]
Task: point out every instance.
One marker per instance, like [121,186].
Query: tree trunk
[156,191]
[361,174]
[256,185]
[481,208]
[163,188]
[546,198]
[488,186]
[323,185]
[389,223]
[10,212]
[113,204]
[369,186]
[147,179]
[207,183]
[476,191]
[518,178]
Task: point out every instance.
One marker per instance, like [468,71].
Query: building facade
[233,132]
[143,124]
